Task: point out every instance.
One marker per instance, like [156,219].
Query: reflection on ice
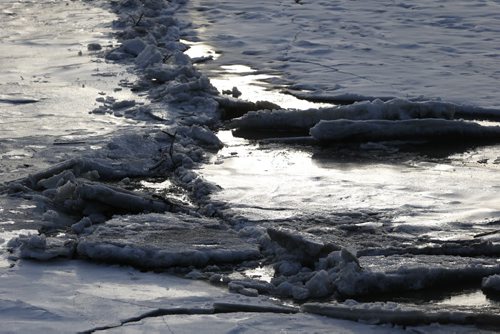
[199,50]
[473,299]
[140,291]
[445,200]
[264,273]
[238,69]
[157,187]
[254,87]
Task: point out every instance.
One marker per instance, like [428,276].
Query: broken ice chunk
[165,240]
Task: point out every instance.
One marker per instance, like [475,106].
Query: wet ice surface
[365,196]
[449,198]
[298,222]
[50,80]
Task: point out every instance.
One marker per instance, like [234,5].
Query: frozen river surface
[409,229]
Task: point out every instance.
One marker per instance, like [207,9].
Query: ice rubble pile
[395,119]
[491,284]
[306,267]
[178,92]
[81,193]
[151,42]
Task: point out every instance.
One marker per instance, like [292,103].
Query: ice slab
[400,314]
[414,129]
[166,240]
[389,274]
[395,109]
[250,323]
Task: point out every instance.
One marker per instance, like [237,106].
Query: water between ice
[446,199]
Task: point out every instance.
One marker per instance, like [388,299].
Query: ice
[349,48]
[71,296]
[321,228]
[491,284]
[307,248]
[398,314]
[422,129]
[134,46]
[396,109]
[202,136]
[149,56]
[320,285]
[39,247]
[162,241]
[459,248]
[396,273]
[343,273]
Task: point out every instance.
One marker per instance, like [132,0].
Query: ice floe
[166,240]
[417,130]
[396,109]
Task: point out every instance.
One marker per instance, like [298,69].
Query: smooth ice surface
[74,296]
[251,323]
[50,82]
[44,57]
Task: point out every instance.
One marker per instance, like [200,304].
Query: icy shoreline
[82,197]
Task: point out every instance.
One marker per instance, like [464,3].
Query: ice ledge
[165,240]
